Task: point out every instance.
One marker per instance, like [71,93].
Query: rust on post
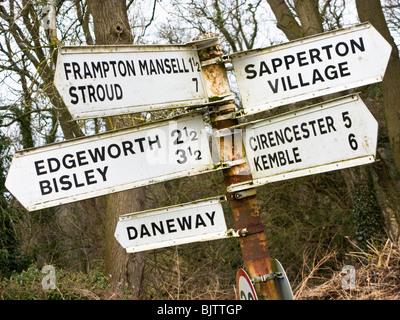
[245,210]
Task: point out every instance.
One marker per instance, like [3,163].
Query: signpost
[198,221]
[99,81]
[310,67]
[333,135]
[92,166]
[245,289]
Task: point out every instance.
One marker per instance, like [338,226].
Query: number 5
[346,118]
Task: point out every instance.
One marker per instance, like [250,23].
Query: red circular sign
[245,289]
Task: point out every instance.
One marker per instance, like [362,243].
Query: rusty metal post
[256,257]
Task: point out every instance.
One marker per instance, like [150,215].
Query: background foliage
[312,223]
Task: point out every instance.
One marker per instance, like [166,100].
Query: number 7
[197,83]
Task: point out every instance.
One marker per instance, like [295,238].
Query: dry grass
[377,277]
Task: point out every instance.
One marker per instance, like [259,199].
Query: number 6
[353,142]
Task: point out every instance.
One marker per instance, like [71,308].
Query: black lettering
[55,185]
[272,159]
[103,172]
[129,230]
[329,123]
[185,223]
[152,67]
[77,184]
[91,93]
[174,67]
[157,140]
[81,157]
[118,93]
[312,123]
[170,225]
[327,50]
[160,66]
[263,68]
[283,84]
[72,93]
[86,71]
[200,221]
[113,63]
[110,95]
[296,132]
[96,68]
[264,162]
[279,137]
[106,68]
[291,87]
[45,187]
[314,55]
[301,58]
[290,161]
[317,76]
[263,141]
[296,155]
[282,159]
[67,69]
[69,164]
[276,62]
[122,68]
[286,130]
[211,217]
[82,89]
[274,89]
[303,127]
[321,126]
[56,163]
[143,67]
[331,75]
[343,68]
[97,154]
[117,148]
[131,68]
[340,52]
[144,231]
[157,228]
[90,178]
[167,66]
[359,46]
[252,147]
[289,59]
[140,141]
[302,83]
[257,165]
[76,69]
[64,180]
[101,94]
[39,168]
[184,66]
[271,139]
[127,146]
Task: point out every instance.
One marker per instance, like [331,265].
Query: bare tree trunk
[309,15]
[111,27]
[371,10]
[388,188]
[285,19]
[356,179]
